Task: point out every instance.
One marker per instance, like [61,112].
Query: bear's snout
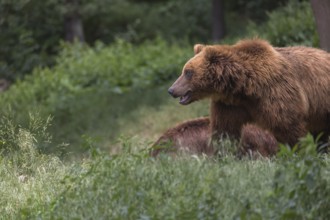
[171,91]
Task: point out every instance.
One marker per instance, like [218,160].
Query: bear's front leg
[256,142]
[227,120]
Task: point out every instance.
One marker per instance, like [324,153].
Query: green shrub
[27,175]
[289,25]
[30,34]
[300,188]
[254,10]
[82,70]
[131,185]
[32,137]
[31,43]
[303,185]
[82,88]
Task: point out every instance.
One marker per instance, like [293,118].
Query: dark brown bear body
[283,90]
[191,136]
[194,137]
[256,142]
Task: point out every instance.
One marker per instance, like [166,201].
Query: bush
[254,10]
[82,70]
[301,187]
[31,43]
[27,175]
[29,138]
[131,185]
[290,25]
[31,31]
[86,81]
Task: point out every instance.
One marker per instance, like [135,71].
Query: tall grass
[131,185]
[28,177]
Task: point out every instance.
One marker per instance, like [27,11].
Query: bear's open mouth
[186,99]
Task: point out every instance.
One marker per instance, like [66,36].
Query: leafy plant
[31,43]
[30,138]
[86,81]
[300,183]
[292,24]
[131,185]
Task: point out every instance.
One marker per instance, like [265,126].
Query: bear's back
[310,68]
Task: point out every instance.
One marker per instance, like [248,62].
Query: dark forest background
[32,31]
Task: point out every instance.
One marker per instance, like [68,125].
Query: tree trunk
[218,20]
[73,25]
[321,9]
[4,85]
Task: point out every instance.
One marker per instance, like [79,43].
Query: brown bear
[256,142]
[282,90]
[191,136]
[194,137]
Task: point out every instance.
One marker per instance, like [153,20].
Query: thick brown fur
[282,90]
[191,136]
[194,137]
[257,142]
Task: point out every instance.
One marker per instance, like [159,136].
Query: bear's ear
[198,48]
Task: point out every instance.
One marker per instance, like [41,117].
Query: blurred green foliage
[31,30]
[255,10]
[87,80]
[82,69]
[292,24]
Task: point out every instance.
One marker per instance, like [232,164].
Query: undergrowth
[292,24]
[90,88]
[132,185]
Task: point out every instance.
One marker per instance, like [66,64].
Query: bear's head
[222,71]
[193,84]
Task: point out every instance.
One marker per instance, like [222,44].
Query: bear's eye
[188,74]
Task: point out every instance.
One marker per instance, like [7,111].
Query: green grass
[129,187]
[144,115]
[133,186]
[128,184]
[141,114]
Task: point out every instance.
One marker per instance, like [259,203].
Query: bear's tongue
[185,99]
